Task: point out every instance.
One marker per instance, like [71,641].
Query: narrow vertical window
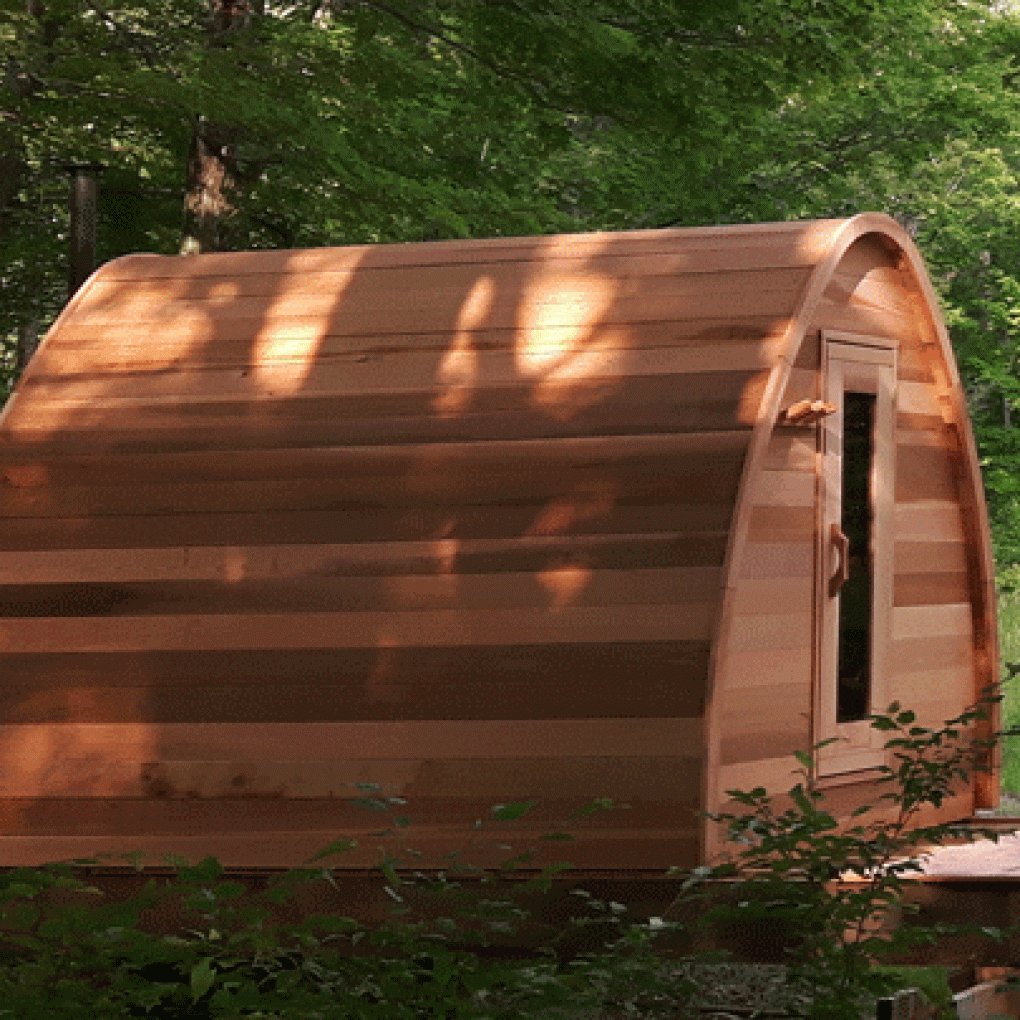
[855,599]
[854,561]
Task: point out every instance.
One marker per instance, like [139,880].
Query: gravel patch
[726,991]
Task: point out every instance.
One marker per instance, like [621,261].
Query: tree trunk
[28,341]
[207,206]
[11,169]
[211,173]
[12,163]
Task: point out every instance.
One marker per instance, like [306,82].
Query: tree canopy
[233,124]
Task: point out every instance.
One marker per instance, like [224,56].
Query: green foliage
[931,982]
[396,121]
[790,861]
[1007,584]
[926,133]
[90,961]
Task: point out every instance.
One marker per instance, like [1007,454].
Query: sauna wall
[441,523]
[764,701]
[766,692]
[936,586]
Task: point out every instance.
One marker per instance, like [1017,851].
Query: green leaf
[336,847]
[797,794]
[508,812]
[28,941]
[371,803]
[203,974]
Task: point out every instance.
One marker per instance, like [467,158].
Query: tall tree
[928,135]
[249,123]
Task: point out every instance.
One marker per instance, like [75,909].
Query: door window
[854,578]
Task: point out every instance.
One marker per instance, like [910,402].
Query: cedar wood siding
[460,519]
[943,640]
[406,515]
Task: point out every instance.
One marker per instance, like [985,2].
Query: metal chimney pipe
[84,223]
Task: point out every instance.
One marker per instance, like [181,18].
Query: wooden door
[854,579]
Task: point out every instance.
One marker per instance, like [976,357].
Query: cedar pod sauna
[630,515]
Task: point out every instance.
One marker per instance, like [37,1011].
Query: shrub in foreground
[90,961]
[790,864]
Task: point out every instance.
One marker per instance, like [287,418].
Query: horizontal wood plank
[777,559]
[655,849]
[469,786]
[766,741]
[400,560]
[770,525]
[428,301]
[935,696]
[768,597]
[789,451]
[429,369]
[758,244]
[29,748]
[930,557]
[777,775]
[924,424]
[476,681]
[915,363]
[767,668]
[785,489]
[32,445]
[641,689]
[938,437]
[763,722]
[26,468]
[305,346]
[437,480]
[650,536]
[924,473]
[930,588]
[918,398]
[353,280]
[362,461]
[928,522]
[552,589]
[356,630]
[925,654]
[760,632]
[931,621]
[260,818]
[297,424]
[833,311]
[515,378]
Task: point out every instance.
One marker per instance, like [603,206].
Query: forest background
[235,124]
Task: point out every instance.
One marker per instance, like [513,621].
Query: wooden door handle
[842,574]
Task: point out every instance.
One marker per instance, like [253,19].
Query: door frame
[861,364]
